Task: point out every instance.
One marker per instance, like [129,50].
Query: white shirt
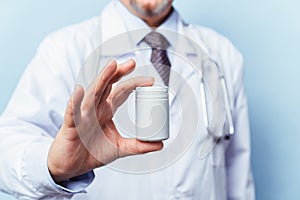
[36,110]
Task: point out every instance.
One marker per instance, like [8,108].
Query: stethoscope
[212,138]
[228,114]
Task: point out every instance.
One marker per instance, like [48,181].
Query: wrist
[57,173]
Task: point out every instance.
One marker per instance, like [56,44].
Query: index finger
[105,77]
[98,86]
[123,69]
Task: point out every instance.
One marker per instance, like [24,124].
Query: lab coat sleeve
[239,174]
[31,121]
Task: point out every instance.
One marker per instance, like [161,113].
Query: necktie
[159,57]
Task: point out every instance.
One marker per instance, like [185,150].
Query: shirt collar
[122,31]
[169,26]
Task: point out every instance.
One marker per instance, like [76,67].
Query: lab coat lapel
[191,54]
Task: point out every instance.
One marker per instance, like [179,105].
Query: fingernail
[129,61]
[149,79]
[77,87]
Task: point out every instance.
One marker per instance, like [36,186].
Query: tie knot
[156,40]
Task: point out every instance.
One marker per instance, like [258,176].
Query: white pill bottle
[152,113]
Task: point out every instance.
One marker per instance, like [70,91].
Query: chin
[148,9]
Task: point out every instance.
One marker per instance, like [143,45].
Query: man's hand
[88,138]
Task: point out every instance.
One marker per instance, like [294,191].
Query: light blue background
[267,33]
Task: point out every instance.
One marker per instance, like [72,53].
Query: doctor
[43,155]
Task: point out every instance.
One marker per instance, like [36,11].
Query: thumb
[131,146]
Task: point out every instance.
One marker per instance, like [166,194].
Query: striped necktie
[159,57]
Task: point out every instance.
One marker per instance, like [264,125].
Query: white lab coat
[36,109]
